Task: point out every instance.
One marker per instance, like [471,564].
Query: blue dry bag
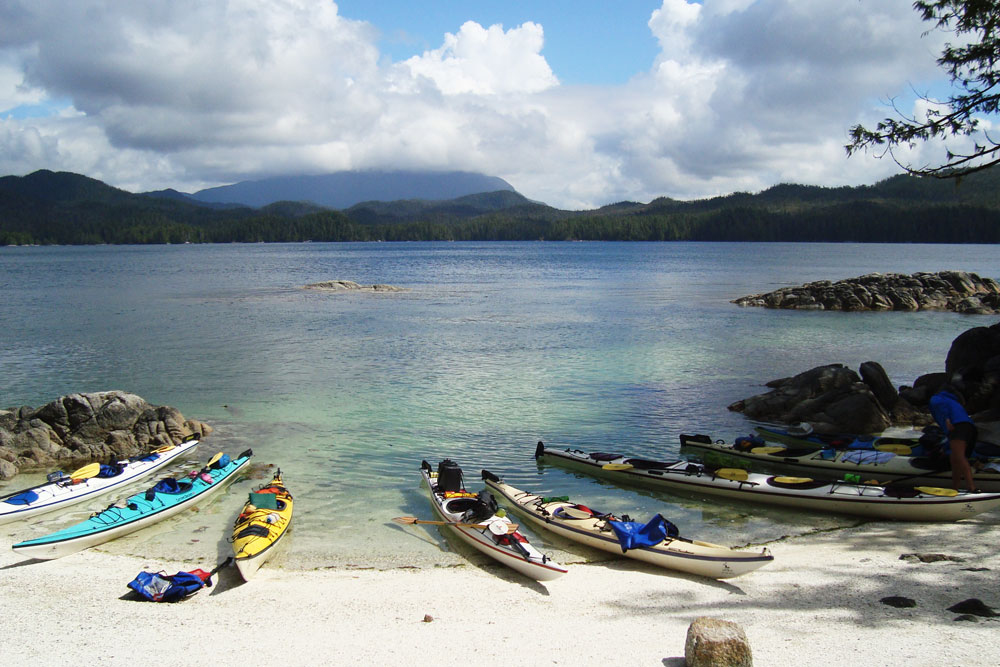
[160,587]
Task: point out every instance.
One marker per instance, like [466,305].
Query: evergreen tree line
[853,221]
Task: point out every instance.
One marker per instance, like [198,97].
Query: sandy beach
[818,603]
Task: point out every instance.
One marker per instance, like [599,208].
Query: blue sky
[577,104]
[586,41]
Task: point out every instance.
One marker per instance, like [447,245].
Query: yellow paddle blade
[936,491]
[617,466]
[164,448]
[904,450]
[793,480]
[767,450]
[735,474]
[215,458]
[86,472]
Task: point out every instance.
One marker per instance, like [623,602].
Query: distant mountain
[345,189]
[460,208]
[61,187]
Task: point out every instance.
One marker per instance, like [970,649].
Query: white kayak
[63,490]
[896,503]
[483,527]
[587,526]
[887,462]
[165,499]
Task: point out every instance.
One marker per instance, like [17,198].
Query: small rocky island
[351,286]
[81,428]
[956,291]
[836,399]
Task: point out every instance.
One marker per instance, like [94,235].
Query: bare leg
[960,468]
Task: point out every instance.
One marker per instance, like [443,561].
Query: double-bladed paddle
[86,472]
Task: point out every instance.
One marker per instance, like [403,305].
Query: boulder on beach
[79,428]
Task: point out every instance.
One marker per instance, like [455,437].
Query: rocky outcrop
[351,286]
[836,399]
[956,291]
[80,428]
[832,398]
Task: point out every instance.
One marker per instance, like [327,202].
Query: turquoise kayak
[62,490]
[166,498]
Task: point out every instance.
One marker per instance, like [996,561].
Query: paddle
[218,567]
[733,474]
[86,472]
[409,520]
[215,458]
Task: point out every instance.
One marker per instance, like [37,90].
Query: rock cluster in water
[81,428]
[836,399]
[956,291]
[350,285]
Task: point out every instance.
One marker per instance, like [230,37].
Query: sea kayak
[802,435]
[165,499]
[477,521]
[892,502]
[588,526]
[264,520]
[63,490]
[882,463]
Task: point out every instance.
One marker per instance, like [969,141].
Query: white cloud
[486,61]
[744,94]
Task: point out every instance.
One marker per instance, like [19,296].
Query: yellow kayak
[261,525]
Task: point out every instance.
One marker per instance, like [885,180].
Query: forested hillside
[61,208]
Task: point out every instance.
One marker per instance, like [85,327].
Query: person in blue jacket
[948,409]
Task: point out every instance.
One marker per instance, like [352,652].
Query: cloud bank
[189,94]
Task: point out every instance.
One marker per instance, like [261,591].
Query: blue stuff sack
[632,534]
[160,587]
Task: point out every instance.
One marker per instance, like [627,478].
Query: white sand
[816,604]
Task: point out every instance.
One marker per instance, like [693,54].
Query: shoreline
[818,603]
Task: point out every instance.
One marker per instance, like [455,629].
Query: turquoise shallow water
[495,346]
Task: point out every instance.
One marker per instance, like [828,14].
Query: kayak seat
[644,464]
[798,451]
[111,470]
[900,491]
[168,485]
[457,505]
[578,512]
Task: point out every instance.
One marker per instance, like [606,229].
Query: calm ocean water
[613,346]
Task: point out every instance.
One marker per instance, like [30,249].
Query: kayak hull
[258,530]
[531,562]
[44,498]
[870,464]
[680,554]
[870,501]
[130,515]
